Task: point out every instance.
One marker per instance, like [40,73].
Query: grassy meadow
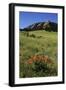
[38,54]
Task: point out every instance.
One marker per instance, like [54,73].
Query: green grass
[37,43]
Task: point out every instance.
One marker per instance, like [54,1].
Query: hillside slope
[48,26]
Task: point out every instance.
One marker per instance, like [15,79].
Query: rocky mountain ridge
[48,26]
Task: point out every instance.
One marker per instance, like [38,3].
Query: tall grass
[37,43]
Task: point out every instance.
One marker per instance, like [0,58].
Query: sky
[28,18]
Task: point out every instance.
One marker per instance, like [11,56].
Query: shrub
[41,66]
[32,35]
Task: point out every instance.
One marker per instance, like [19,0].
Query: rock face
[48,26]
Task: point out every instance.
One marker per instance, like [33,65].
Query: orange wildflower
[42,58]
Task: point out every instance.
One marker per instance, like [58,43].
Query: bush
[32,35]
[37,67]
[40,66]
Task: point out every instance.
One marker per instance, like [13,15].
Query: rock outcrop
[48,26]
